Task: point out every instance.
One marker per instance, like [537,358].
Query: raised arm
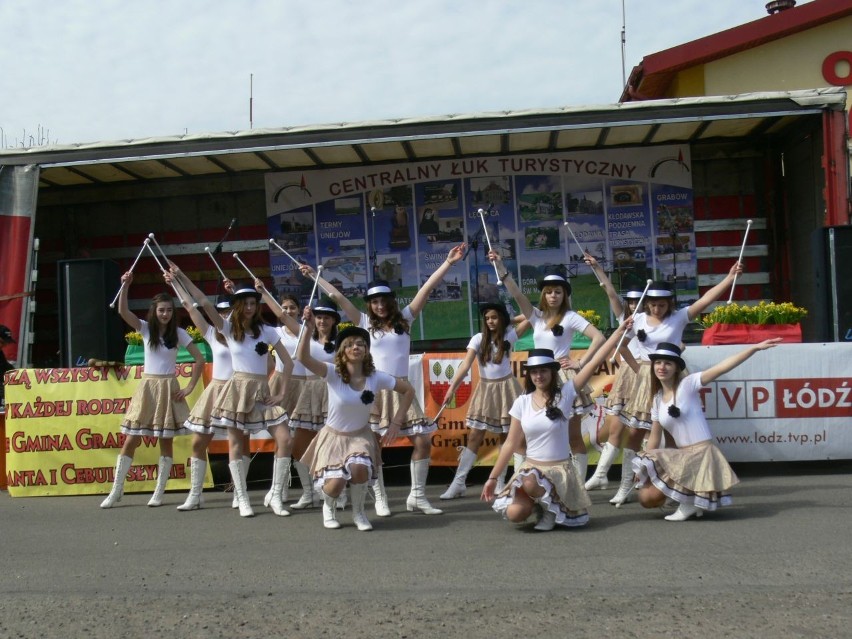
[303,348]
[508,281]
[195,315]
[615,304]
[343,303]
[460,374]
[198,295]
[585,373]
[701,304]
[123,306]
[291,324]
[422,296]
[732,361]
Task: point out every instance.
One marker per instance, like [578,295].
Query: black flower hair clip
[170,342]
[506,345]
[558,330]
[553,413]
[367,397]
[398,329]
[328,347]
[261,348]
[641,335]
[674,411]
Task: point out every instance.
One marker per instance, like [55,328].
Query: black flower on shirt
[674,411]
[506,345]
[558,330]
[328,347]
[641,335]
[553,413]
[367,397]
[261,348]
[398,329]
[170,342]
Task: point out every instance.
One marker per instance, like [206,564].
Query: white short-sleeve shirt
[669,330]
[490,370]
[691,426]
[547,439]
[252,354]
[389,349]
[346,410]
[223,370]
[162,360]
[543,337]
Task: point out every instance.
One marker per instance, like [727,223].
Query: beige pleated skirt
[311,410]
[637,410]
[238,405]
[293,391]
[697,475]
[385,406]
[332,452]
[490,404]
[583,403]
[564,494]
[199,420]
[622,386]
[153,411]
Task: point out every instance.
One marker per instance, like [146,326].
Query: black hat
[248,291]
[377,288]
[658,288]
[351,331]
[326,307]
[6,334]
[671,352]
[539,357]
[223,302]
[554,279]
[634,293]
[495,306]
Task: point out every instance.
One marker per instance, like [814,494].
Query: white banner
[789,403]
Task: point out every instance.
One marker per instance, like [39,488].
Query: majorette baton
[295,261]
[176,283]
[488,240]
[636,310]
[582,251]
[132,266]
[310,302]
[739,260]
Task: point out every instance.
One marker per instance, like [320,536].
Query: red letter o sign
[830,64]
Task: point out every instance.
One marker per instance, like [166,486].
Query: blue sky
[98,70]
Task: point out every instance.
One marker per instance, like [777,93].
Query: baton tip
[236,254]
[748,222]
[151,235]
[648,281]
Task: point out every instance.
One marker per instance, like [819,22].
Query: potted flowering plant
[135,353]
[736,324]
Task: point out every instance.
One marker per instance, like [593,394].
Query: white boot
[197,467]
[381,495]
[457,487]
[359,517]
[581,465]
[240,489]
[625,488]
[308,498]
[163,470]
[245,461]
[342,499]
[329,512]
[547,521]
[599,481]
[122,465]
[417,497]
[280,475]
[684,512]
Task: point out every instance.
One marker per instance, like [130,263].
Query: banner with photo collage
[630,208]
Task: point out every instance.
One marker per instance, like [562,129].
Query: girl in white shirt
[695,474]
[346,450]
[554,325]
[658,322]
[488,407]
[158,407]
[390,346]
[547,477]
[245,404]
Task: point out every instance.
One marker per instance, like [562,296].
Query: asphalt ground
[778,563]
